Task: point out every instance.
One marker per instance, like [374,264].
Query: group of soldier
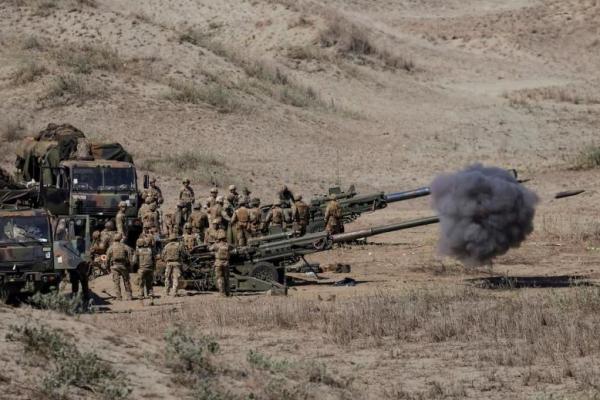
[195,223]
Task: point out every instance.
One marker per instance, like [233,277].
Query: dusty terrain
[383,94]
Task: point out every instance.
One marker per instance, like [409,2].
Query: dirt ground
[407,90]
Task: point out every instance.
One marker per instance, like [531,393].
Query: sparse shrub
[28,72]
[346,37]
[588,158]
[189,354]
[65,89]
[11,131]
[214,94]
[55,301]
[39,340]
[87,58]
[262,361]
[32,43]
[193,36]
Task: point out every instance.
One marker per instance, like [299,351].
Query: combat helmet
[141,242]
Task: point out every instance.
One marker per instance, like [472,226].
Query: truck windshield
[103,179]
[23,229]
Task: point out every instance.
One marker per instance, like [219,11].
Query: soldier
[240,223]
[275,216]
[173,255]
[186,198]
[145,207]
[221,249]
[333,217]
[169,224]
[286,196]
[120,219]
[154,193]
[218,219]
[107,234]
[97,250]
[214,192]
[300,215]
[245,197]
[118,258]
[190,240]
[233,198]
[199,222]
[150,221]
[144,259]
[255,218]
[179,218]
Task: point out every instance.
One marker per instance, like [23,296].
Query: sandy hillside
[384,94]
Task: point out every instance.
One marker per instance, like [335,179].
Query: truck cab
[26,252]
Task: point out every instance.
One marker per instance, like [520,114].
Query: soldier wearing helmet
[121,219]
[286,196]
[145,262]
[118,258]
[107,234]
[199,222]
[245,197]
[145,207]
[218,219]
[333,217]
[255,218]
[275,217]
[190,240]
[173,254]
[212,199]
[233,198]
[221,249]
[153,193]
[186,199]
[179,218]
[151,220]
[240,223]
[300,215]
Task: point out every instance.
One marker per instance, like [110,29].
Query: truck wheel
[264,271]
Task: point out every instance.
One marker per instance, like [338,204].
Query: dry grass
[575,228]
[11,131]
[68,89]
[44,8]
[214,94]
[28,71]
[198,166]
[588,158]
[557,94]
[85,59]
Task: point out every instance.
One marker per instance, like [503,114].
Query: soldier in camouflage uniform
[333,217]
[286,196]
[186,199]
[173,255]
[275,216]
[199,222]
[240,223]
[255,218]
[300,215]
[118,258]
[120,219]
[245,197]
[179,218]
[218,219]
[153,193]
[107,235]
[214,192]
[151,221]
[169,221]
[97,250]
[145,207]
[189,239]
[233,198]
[144,260]
[221,249]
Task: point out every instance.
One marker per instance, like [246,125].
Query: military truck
[263,265]
[77,177]
[26,252]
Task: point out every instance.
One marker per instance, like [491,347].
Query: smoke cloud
[484,211]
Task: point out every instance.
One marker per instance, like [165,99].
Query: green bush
[588,158]
[189,354]
[66,304]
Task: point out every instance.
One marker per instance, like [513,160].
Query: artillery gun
[262,266]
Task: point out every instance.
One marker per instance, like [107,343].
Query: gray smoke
[484,211]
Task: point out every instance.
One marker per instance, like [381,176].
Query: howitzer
[263,265]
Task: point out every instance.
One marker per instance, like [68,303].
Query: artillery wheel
[264,271]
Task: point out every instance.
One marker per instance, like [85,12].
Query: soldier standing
[145,207]
[255,218]
[300,215]
[218,219]
[333,217]
[199,221]
[240,224]
[214,192]
[286,196]
[221,250]
[186,199]
[169,224]
[179,218]
[245,197]
[118,258]
[150,221]
[144,259]
[275,216]
[107,234]
[120,219]
[173,254]
[97,250]
[190,239]
[154,193]
[233,198]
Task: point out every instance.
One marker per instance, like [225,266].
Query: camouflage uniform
[107,235]
[151,221]
[121,219]
[179,218]
[221,249]
[275,216]
[97,250]
[286,196]
[189,239]
[186,198]
[255,218]
[245,197]
[218,219]
[144,259]
[145,207]
[233,199]
[118,257]
[212,200]
[199,222]
[333,217]
[153,193]
[300,215]
[241,225]
[173,254]
[170,224]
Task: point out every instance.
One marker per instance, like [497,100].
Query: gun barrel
[364,233]
[407,195]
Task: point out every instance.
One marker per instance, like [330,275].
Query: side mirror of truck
[146,181]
